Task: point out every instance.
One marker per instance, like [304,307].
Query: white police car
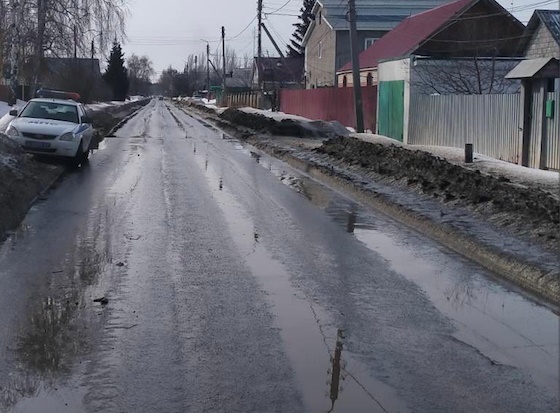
[55,127]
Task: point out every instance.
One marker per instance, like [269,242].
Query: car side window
[83,111]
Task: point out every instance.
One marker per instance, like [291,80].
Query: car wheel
[80,156]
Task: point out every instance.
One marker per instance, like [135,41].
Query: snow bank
[279,116]
[545,180]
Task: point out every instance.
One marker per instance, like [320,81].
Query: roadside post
[468,153]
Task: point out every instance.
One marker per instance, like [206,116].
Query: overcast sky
[169,30]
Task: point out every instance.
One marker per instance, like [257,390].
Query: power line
[243,31]
[281,7]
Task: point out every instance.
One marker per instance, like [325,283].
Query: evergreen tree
[295,49]
[116,74]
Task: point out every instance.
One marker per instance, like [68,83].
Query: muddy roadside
[25,179]
[508,227]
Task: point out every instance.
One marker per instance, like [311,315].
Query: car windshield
[51,110]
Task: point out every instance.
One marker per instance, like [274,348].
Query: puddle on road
[331,379]
[502,324]
[489,314]
[59,331]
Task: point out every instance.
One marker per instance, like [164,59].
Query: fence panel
[331,103]
[553,134]
[537,116]
[244,99]
[492,123]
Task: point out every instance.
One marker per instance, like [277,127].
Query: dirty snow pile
[11,154]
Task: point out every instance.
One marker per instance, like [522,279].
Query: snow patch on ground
[279,116]
[373,138]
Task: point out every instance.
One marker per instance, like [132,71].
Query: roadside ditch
[509,228]
[25,179]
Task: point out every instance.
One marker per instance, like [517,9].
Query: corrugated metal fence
[553,134]
[492,123]
[332,103]
[245,99]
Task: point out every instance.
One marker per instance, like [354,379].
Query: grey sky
[168,30]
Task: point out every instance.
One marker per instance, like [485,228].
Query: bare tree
[140,72]
[466,76]
[58,28]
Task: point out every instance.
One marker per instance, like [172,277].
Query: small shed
[541,126]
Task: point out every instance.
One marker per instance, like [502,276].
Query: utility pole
[208,71]
[13,48]
[92,63]
[224,97]
[273,42]
[356,67]
[259,29]
[195,77]
[75,42]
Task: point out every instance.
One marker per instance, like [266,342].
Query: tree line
[32,30]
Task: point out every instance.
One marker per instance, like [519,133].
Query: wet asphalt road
[236,284]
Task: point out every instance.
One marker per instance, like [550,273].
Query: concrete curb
[540,282]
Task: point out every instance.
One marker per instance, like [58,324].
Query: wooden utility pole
[208,71]
[273,41]
[259,30]
[224,97]
[75,42]
[14,9]
[356,67]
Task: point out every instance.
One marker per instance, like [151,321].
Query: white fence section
[492,123]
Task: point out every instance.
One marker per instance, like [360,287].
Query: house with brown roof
[327,40]
[463,47]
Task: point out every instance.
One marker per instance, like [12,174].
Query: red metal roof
[411,32]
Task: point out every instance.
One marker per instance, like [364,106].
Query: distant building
[271,73]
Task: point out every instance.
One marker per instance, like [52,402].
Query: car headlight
[67,137]
[12,132]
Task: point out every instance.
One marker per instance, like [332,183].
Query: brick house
[327,40]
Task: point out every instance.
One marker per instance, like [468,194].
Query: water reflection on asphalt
[57,332]
[333,379]
[489,313]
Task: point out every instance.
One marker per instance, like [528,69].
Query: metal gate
[391,109]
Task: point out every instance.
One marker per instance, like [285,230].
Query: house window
[344,81]
[369,79]
[320,17]
[320,50]
[369,41]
